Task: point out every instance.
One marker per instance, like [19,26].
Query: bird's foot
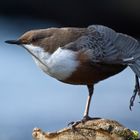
[136,91]
[85,119]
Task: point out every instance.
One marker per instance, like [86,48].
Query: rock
[99,129]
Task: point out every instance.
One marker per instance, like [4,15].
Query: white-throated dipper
[83,56]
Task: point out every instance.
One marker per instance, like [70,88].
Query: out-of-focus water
[29,98]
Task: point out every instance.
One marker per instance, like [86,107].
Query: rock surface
[100,129]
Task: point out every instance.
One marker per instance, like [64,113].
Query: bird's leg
[86,113]
[136,91]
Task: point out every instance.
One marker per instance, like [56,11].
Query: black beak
[17,42]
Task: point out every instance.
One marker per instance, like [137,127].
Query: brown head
[49,39]
[34,37]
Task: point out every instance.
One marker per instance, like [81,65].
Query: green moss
[135,136]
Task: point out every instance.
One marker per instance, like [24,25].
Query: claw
[85,119]
[74,124]
[71,123]
[136,91]
[132,101]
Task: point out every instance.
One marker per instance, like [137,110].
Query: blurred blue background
[29,98]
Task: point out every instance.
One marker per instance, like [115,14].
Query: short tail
[135,66]
[130,49]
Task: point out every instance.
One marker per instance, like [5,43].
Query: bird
[83,56]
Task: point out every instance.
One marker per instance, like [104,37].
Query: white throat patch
[60,65]
[38,51]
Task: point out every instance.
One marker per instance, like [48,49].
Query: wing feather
[105,45]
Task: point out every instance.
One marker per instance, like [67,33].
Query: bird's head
[34,37]
[47,39]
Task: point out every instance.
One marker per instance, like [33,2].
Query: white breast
[60,65]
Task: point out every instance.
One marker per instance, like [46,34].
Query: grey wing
[105,45]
